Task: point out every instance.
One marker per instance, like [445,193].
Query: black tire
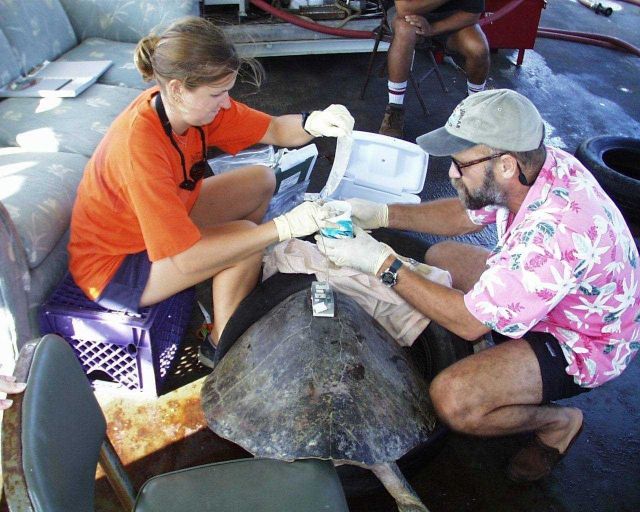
[259,302]
[615,163]
[436,348]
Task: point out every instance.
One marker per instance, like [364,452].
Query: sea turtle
[297,386]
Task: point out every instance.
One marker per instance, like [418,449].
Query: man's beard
[488,193]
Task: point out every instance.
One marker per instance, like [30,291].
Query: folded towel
[399,318]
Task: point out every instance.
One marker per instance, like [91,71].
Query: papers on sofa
[63,79]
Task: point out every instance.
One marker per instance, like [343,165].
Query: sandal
[207,353]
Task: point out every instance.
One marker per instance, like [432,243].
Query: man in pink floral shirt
[559,290]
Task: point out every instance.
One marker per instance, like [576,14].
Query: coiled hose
[551,33]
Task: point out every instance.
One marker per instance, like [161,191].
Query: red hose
[360,34]
[565,35]
[589,38]
[309,25]
[488,20]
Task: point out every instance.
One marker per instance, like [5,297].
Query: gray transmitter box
[322,303]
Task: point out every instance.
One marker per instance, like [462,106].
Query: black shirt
[452,6]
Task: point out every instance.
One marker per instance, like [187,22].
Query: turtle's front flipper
[396,484]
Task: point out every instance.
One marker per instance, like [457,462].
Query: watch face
[388,278]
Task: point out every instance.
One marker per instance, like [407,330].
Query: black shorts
[556,382]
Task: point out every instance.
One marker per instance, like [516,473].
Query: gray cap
[498,118]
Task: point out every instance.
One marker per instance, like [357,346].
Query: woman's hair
[194,51]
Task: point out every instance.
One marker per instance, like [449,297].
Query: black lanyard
[189,182]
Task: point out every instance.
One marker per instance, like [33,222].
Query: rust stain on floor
[139,425]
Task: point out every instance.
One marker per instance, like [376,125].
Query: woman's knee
[265,179]
[243,225]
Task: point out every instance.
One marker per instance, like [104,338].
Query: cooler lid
[387,164]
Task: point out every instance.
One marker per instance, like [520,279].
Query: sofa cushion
[44,278]
[9,68]
[72,125]
[124,20]
[38,191]
[37,30]
[123,72]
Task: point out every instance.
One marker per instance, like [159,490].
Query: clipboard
[62,79]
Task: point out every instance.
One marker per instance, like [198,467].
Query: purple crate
[134,351]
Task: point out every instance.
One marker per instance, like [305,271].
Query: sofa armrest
[123,20]
[14,284]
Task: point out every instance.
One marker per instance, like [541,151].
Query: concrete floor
[581,91]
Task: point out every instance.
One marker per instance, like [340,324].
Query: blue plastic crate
[134,351]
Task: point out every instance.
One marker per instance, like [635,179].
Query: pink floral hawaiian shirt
[566,264]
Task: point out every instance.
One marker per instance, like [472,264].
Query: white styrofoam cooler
[383,169]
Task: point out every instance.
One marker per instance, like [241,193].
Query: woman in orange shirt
[145,224]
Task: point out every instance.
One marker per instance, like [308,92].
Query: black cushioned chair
[55,434]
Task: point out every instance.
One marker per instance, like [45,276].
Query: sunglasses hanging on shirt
[198,169]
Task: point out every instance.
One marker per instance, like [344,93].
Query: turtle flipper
[396,484]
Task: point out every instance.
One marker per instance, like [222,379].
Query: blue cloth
[125,288]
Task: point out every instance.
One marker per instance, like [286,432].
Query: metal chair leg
[437,71]
[416,88]
[374,52]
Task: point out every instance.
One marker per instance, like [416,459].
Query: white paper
[339,168]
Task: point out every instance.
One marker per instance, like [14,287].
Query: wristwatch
[390,276]
[305,116]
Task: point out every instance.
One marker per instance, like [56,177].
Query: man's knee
[453,404]
[404,32]
[439,253]
[472,44]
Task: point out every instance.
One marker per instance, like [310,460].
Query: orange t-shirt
[129,199]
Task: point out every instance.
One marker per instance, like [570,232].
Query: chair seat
[251,485]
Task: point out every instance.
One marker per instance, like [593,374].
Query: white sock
[473,88]
[396,91]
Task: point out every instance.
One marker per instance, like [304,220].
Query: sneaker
[536,460]
[207,353]
[393,121]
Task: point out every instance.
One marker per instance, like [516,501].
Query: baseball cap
[500,118]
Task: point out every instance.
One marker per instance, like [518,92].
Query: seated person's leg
[233,277]
[501,391]
[471,44]
[465,262]
[228,207]
[399,58]
[240,194]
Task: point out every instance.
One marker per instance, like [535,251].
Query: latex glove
[333,121]
[305,219]
[8,384]
[362,252]
[369,215]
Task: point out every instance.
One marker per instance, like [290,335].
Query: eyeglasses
[459,165]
